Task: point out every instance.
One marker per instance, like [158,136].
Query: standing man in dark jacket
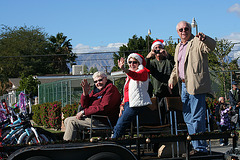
[234,96]
[234,99]
[104,99]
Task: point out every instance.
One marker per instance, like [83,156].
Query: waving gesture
[85,87]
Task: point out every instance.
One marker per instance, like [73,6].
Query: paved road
[223,149]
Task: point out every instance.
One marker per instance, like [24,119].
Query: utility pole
[149,33]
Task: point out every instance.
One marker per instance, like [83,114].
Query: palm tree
[61,47]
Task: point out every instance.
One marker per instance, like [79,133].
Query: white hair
[188,24]
[99,74]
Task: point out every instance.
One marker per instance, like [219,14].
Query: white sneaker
[222,144]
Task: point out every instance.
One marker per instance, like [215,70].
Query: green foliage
[85,69]
[69,110]
[55,115]
[211,104]
[44,114]
[93,70]
[48,115]
[119,83]
[26,51]
[60,45]
[29,85]
[170,46]
[18,46]
[36,114]
[219,61]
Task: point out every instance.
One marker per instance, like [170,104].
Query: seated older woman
[136,96]
[104,99]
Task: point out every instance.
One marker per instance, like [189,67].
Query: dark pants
[225,140]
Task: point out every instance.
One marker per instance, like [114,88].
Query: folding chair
[101,129]
[173,106]
[149,122]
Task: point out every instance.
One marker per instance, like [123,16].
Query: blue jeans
[125,120]
[194,113]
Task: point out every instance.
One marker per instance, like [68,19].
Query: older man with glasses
[191,73]
[104,99]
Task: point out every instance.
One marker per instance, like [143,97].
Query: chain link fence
[65,91]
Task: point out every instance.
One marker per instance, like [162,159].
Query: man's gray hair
[99,74]
[188,24]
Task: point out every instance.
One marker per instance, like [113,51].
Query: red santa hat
[158,41]
[140,59]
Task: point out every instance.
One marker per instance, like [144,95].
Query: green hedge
[69,110]
[36,114]
[49,115]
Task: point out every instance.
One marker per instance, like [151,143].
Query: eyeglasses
[100,80]
[134,62]
[185,29]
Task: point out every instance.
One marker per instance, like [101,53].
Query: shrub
[69,110]
[50,114]
[54,115]
[211,104]
[44,114]
[36,114]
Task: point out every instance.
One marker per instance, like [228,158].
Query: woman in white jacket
[136,96]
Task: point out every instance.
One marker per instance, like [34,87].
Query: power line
[80,53]
[25,62]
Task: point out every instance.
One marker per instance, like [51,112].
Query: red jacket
[105,102]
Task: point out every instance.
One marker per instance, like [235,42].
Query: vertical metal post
[176,131]
[137,121]
[44,98]
[171,122]
[61,91]
[56,91]
[66,90]
[38,94]
[70,91]
[53,93]
[210,145]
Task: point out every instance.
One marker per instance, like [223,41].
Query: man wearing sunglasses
[191,73]
[104,100]
[160,64]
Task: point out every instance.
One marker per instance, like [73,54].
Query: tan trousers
[74,125]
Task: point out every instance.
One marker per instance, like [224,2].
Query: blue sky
[104,25]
